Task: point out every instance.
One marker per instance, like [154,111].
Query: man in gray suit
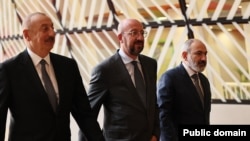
[25,93]
[179,100]
[127,115]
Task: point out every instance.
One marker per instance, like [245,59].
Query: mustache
[139,41]
[202,62]
[50,39]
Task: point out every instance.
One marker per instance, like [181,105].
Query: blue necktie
[139,83]
[48,86]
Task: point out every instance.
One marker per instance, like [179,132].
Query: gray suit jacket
[32,117]
[126,118]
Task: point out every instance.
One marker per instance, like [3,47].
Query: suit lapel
[190,83]
[31,74]
[124,72]
[57,66]
[205,90]
[126,77]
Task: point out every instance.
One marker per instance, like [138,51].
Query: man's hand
[153,138]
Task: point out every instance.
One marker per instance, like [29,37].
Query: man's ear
[184,55]
[119,37]
[26,34]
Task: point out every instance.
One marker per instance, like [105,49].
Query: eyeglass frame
[135,33]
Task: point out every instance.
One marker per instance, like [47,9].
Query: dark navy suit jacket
[179,102]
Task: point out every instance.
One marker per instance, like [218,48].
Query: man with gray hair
[183,92]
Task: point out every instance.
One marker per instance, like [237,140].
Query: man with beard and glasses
[130,113]
[41,89]
[181,100]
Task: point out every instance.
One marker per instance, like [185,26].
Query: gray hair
[187,45]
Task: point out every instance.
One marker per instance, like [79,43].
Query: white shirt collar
[36,59]
[125,58]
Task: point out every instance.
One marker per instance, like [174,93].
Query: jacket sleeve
[4,94]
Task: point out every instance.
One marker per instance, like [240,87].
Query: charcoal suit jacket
[125,116]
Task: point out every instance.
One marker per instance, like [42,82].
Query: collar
[189,71]
[125,58]
[36,59]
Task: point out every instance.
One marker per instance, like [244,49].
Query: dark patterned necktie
[48,86]
[198,87]
[139,83]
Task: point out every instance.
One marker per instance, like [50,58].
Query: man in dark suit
[23,90]
[127,115]
[179,101]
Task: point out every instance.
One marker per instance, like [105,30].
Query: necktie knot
[43,62]
[134,63]
[195,76]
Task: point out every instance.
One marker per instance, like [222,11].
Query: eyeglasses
[136,33]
